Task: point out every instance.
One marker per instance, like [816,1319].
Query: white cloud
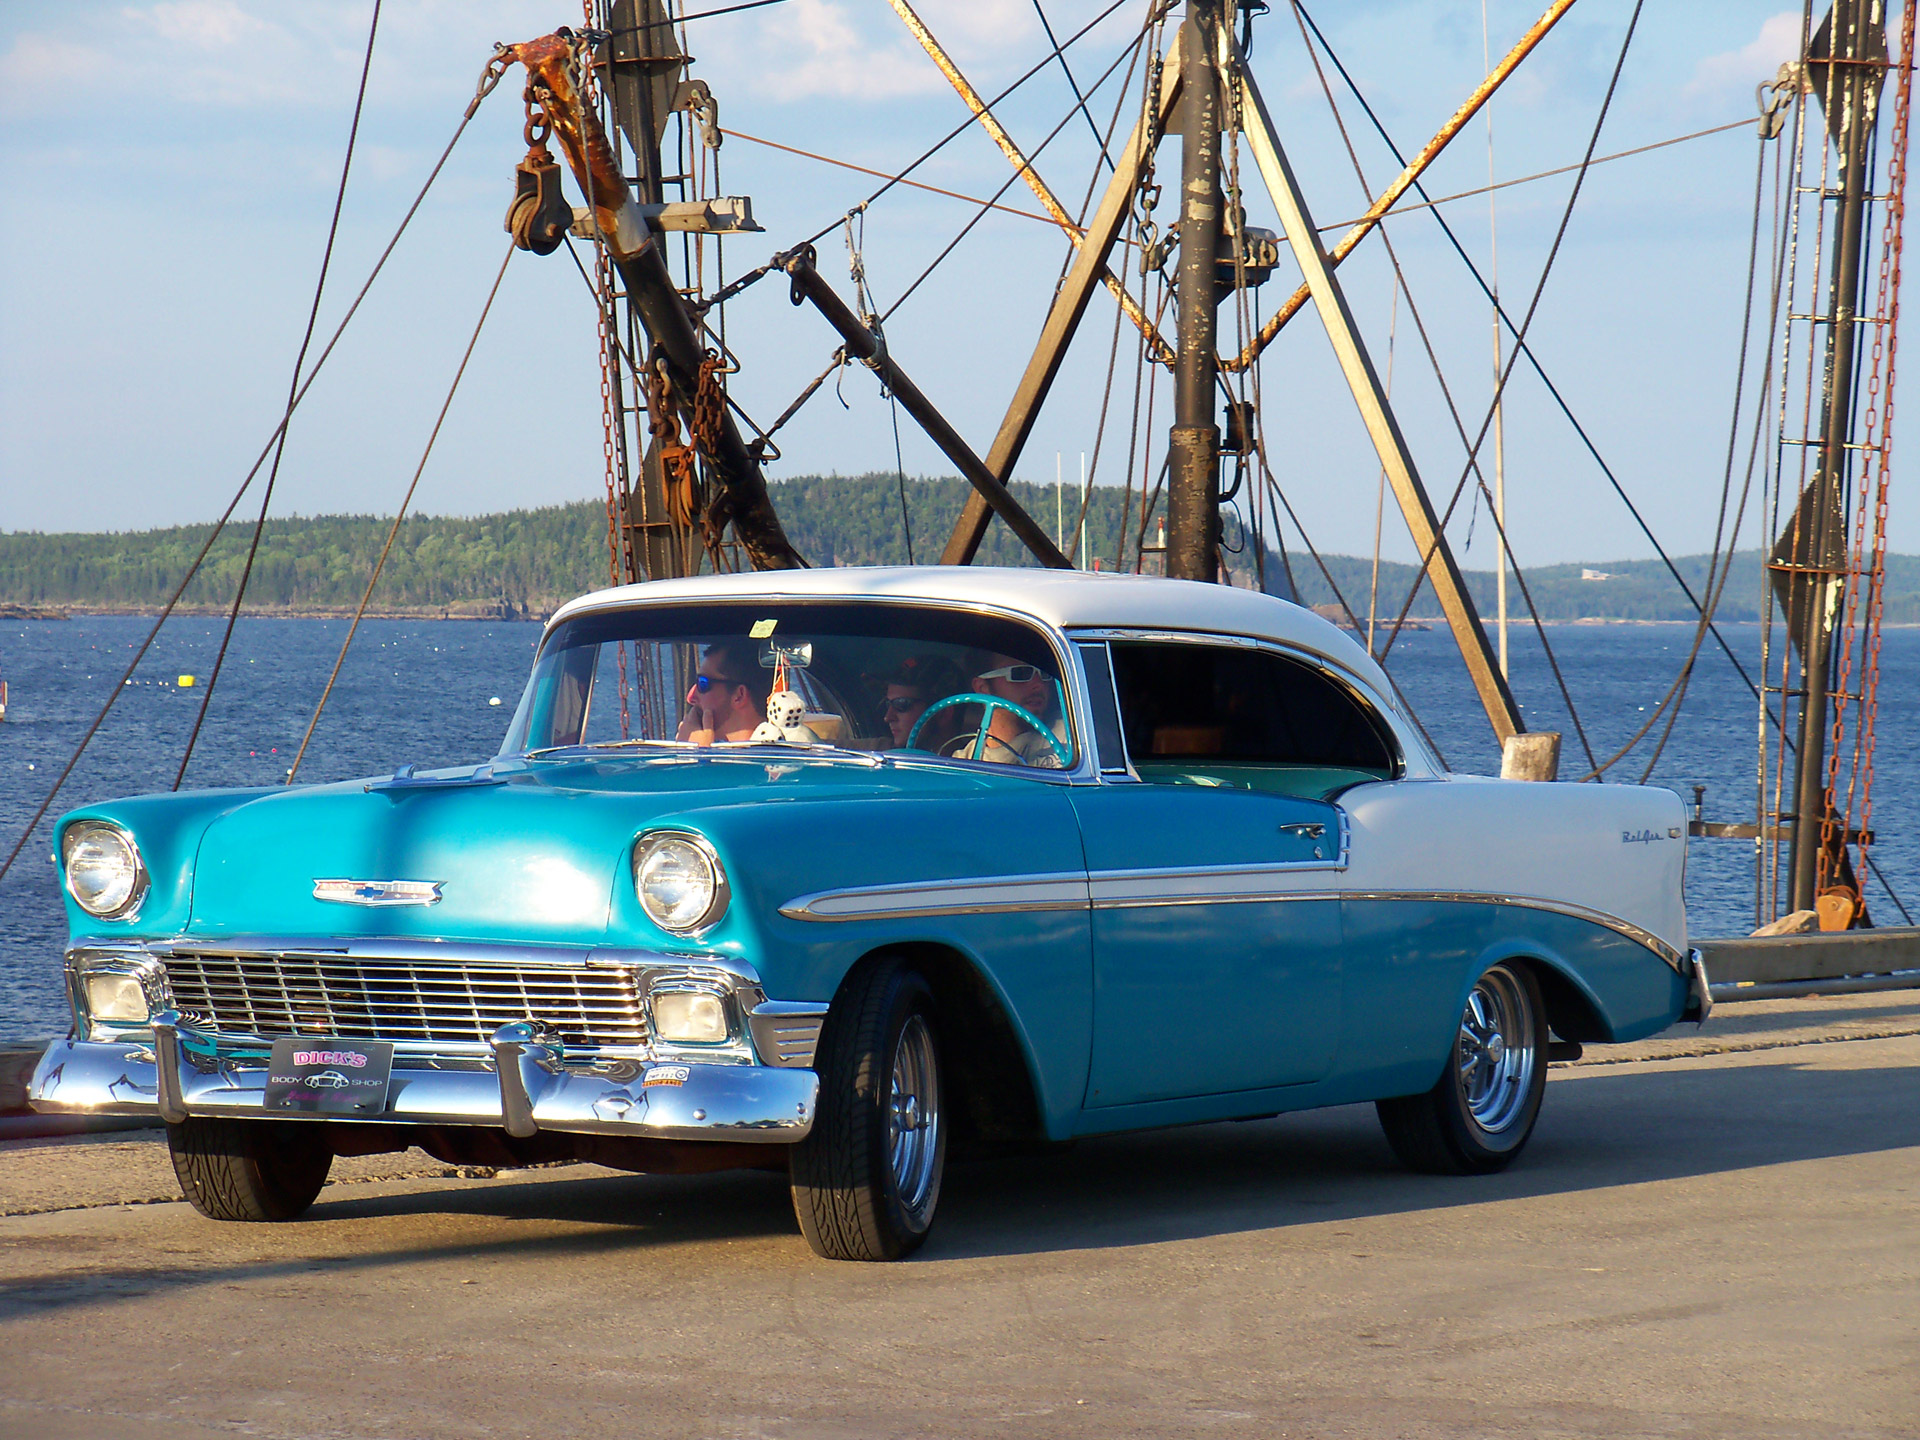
[1753,63]
[859,50]
[37,63]
[202,24]
[818,49]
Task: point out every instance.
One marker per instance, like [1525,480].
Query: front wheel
[1480,1114]
[867,1178]
[249,1169]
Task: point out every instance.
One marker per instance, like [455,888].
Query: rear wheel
[249,1169]
[1481,1112]
[866,1180]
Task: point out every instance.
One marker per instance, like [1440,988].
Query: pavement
[1712,1234]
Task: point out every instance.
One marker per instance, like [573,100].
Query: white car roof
[1063,599]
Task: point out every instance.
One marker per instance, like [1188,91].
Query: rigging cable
[884,175]
[489,78]
[1418,205]
[1260,449]
[970,121]
[1526,323]
[1717,587]
[1074,85]
[1522,348]
[1473,448]
[406,500]
[900,471]
[293,388]
[1133,51]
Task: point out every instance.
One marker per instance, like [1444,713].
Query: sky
[173,165]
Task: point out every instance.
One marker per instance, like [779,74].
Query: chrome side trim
[984,895]
[1573,910]
[1210,885]
[1197,885]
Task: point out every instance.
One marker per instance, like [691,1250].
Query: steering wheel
[1019,712]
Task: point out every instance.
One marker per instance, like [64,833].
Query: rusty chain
[1868,560]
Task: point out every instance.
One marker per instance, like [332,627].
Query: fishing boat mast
[1826,567]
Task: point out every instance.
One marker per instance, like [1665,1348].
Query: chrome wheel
[913,1116]
[1495,1056]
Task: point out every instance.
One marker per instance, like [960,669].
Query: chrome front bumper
[525,1087]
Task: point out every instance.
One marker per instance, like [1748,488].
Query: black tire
[1480,1113]
[848,1173]
[249,1169]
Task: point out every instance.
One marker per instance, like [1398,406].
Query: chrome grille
[361,997]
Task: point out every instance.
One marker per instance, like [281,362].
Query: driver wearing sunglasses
[1011,740]
[728,697]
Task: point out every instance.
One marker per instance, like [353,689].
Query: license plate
[329,1077]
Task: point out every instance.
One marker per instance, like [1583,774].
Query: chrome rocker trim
[528,1088]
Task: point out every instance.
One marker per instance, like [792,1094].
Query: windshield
[856,675]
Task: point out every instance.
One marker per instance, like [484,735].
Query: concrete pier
[1712,1234]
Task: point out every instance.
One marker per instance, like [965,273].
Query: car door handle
[1306,829]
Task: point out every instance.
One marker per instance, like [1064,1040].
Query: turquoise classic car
[830,871]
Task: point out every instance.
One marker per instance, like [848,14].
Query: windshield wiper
[727,747]
[595,745]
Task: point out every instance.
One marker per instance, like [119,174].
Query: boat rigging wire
[1019,174]
[400,515]
[1273,484]
[1472,448]
[489,79]
[1522,348]
[900,473]
[1717,576]
[1074,85]
[1428,204]
[698,15]
[1151,33]
[968,123]
[1099,440]
[293,387]
[883,175]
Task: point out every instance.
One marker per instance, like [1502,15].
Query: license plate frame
[315,1075]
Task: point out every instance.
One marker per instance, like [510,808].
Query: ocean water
[421,692]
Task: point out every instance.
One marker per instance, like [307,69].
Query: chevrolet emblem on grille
[378,892]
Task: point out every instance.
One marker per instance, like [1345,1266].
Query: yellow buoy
[186,682]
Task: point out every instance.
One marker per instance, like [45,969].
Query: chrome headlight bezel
[138,882]
[690,843]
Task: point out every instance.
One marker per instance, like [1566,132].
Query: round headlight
[679,881]
[104,873]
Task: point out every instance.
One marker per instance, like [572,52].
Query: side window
[1196,714]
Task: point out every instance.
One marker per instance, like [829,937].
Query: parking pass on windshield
[329,1077]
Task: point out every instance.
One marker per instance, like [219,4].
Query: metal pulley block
[1259,253]
[539,217]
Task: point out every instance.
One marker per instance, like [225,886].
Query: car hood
[533,852]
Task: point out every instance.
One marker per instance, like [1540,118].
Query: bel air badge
[378,892]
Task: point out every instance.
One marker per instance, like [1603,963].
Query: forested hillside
[532,560]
